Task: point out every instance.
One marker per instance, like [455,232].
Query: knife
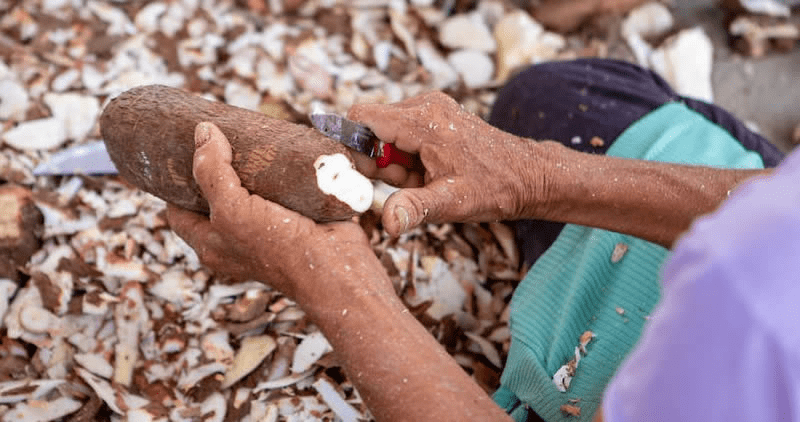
[361,139]
[92,158]
[87,158]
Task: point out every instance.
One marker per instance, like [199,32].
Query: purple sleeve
[724,342]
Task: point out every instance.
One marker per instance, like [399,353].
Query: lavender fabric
[723,344]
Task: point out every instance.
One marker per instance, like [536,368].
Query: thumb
[443,200]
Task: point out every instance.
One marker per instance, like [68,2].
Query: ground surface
[764,91]
[110,312]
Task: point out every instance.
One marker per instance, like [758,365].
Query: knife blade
[348,132]
[87,158]
[92,158]
[362,139]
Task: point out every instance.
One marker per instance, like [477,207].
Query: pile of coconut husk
[108,315]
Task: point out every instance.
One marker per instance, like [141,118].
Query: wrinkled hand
[250,238]
[473,172]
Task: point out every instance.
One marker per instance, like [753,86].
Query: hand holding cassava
[248,237]
[473,172]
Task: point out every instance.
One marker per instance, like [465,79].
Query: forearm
[399,369]
[651,200]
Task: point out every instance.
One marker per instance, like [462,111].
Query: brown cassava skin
[149,134]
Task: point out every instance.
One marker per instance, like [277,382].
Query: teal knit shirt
[575,287]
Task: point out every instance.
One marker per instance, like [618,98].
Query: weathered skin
[400,370]
[473,173]
[149,134]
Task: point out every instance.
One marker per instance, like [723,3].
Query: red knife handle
[392,155]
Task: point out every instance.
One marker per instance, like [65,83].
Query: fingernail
[402,218]
[202,134]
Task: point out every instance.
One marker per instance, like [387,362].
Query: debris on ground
[620,249]
[563,376]
[761,27]
[108,315]
[571,409]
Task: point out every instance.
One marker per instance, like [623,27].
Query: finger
[186,224]
[212,167]
[196,230]
[444,200]
[414,180]
[385,120]
[390,123]
[393,174]
[365,165]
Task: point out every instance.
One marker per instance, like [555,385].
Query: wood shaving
[571,409]
[597,141]
[563,376]
[620,249]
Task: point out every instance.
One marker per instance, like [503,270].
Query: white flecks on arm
[337,176]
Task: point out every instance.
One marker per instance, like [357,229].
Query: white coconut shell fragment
[522,41]
[97,303]
[505,237]
[15,391]
[767,7]
[195,375]
[42,411]
[39,320]
[252,352]
[487,349]
[442,73]
[563,376]
[34,135]
[334,400]
[685,61]
[95,363]
[7,290]
[467,31]
[142,415]
[620,249]
[649,20]
[475,67]
[759,34]
[283,382]
[26,297]
[130,317]
[14,100]
[216,347]
[240,397]
[337,176]
[213,408]
[562,379]
[118,399]
[249,306]
[77,113]
[439,285]
[308,352]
